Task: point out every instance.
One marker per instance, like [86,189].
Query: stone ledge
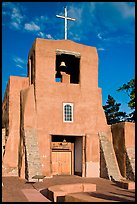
[34,196]
[63,190]
[126,184]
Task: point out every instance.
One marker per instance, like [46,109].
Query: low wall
[123,135]
[57,192]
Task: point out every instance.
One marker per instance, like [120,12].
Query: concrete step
[34,196]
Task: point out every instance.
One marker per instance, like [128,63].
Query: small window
[67,112]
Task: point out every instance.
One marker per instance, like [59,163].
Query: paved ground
[106,190]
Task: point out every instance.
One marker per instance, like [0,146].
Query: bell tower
[68,104]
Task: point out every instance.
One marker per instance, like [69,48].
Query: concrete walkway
[16,190]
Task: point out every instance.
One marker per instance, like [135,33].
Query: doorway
[66,155]
[61,162]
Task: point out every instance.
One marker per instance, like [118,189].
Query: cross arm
[68,18]
[73,19]
[60,16]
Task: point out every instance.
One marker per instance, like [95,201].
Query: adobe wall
[123,138]
[27,120]
[49,96]
[10,159]
[3,141]
[29,164]
[129,134]
[88,112]
[101,121]
[28,108]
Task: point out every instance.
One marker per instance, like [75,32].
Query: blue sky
[109,26]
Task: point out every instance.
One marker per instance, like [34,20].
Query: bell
[64,141]
[62,65]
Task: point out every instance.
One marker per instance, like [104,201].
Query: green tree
[113,115]
[129,88]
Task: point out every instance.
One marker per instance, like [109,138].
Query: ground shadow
[60,198]
[44,192]
[109,197]
[132,196]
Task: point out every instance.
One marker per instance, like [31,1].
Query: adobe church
[53,121]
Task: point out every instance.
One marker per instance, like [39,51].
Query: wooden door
[61,162]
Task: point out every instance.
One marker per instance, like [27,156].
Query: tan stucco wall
[28,107]
[86,97]
[123,137]
[48,99]
[28,121]
[11,150]
[129,134]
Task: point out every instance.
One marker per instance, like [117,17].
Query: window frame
[72,118]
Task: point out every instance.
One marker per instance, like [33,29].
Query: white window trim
[71,104]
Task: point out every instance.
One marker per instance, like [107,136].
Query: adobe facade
[54,116]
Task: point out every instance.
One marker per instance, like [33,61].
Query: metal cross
[66,18]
